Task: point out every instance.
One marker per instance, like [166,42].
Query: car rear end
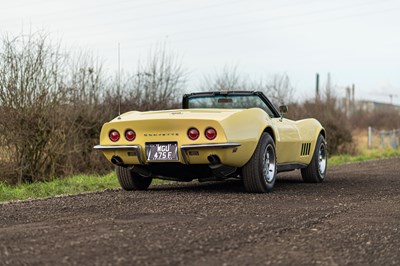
[187,137]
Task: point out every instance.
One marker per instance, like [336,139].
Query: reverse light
[114,135]
[210,133]
[130,135]
[193,133]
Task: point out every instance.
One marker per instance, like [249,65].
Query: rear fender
[246,127]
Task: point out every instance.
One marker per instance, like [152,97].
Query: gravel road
[353,218]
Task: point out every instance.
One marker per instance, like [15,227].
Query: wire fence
[383,138]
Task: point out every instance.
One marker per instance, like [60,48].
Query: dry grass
[360,139]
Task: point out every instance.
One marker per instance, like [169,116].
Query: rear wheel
[132,181]
[315,172]
[259,173]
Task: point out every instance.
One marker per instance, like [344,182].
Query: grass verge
[364,156]
[91,183]
[71,185]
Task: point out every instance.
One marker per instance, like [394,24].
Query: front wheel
[315,172]
[132,181]
[259,173]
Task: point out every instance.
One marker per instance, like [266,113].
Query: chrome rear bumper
[183,148]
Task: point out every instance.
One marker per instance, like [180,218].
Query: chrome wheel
[315,171]
[322,159]
[259,173]
[269,164]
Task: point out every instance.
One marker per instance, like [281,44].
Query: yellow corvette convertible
[215,136]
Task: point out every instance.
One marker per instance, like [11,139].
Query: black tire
[315,172]
[132,181]
[259,173]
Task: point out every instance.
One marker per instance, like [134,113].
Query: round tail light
[193,133]
[114,135]
[130,135]
[211,133]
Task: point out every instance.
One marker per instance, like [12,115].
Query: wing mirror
[283,109]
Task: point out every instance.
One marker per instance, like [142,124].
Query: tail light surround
[114,135]
[193,133]
[210,133]
[130,135]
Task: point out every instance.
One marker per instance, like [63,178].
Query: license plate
[162,151]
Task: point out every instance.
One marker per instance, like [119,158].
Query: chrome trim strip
[104,148]
[122,147]
[215,145]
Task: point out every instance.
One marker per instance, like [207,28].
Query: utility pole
[317,87]
[347,101]
[328,87]
[353,99]
[391,97]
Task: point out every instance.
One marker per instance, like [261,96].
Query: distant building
[371,106]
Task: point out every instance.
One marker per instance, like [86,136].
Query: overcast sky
[357,41]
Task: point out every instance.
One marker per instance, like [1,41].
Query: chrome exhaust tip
[117,160]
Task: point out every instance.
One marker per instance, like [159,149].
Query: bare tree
[228,79]
[86,112]
[157,83]
[279,89]
[29,97]
[51,110]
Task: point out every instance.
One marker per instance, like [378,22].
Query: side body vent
[305,149]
